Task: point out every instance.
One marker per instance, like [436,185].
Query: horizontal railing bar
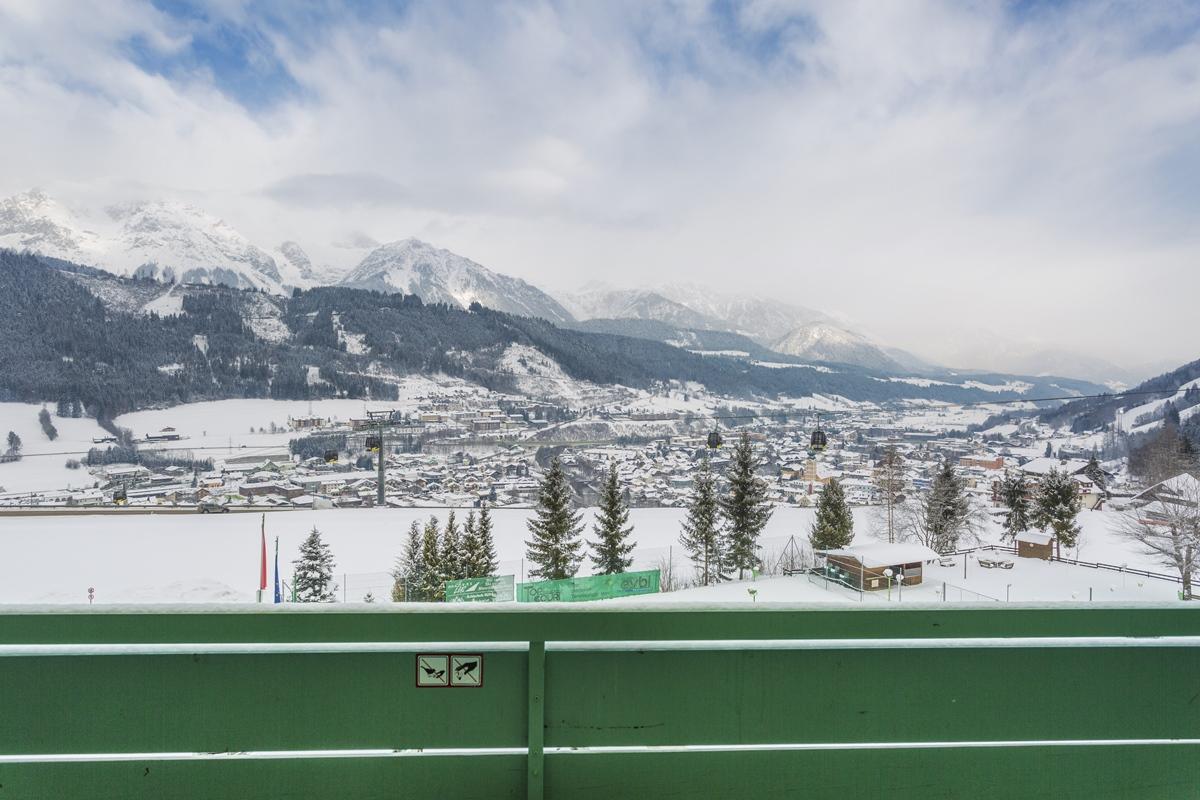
[266,755]
[264,648]
[1019,642]
[250,648]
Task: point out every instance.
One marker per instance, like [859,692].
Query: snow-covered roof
[883,554]
[1042,466]
[1034,537]
[1183,486]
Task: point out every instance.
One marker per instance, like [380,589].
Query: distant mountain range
[117,344]
[439,276]
[177,243]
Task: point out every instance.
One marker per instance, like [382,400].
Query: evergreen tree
[369,597]
[701,537]
[1049,451]
[314,571]
[745,507]
[14,444]
[1014,493]
[410,567]
[488,563]
[47,426]
[452,551]
[470,547]
[1170,414]
[432,587]
[1094,472]
[555,547]
[610,551]
[834,524]
[947,509]
[1058,505]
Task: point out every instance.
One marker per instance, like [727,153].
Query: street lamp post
[888,572]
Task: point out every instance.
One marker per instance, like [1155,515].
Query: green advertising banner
[496,589]
[597,587]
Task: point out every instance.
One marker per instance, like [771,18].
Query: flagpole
[278,595]
[262,563]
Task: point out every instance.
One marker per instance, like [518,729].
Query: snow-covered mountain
[164,240]
[762,319]
[822,341]
[607,303]
[439,276]
[38,223]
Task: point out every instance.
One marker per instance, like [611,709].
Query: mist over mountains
[174,242]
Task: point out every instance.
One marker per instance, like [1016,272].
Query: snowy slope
[175,242]
[821,341]
[193,557]
[33,221]
[764,320]
[164,240]
[411,266]
[638,304]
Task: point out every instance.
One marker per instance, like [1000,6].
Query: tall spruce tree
[314,571]
[1057,507]
[410,567]
[555,549]
[488,563]
[432,586]
[470,547]
[745,507]
[834,524]
[1014,493]
[610,551]
[701,537]
[1095,473]
[453,557]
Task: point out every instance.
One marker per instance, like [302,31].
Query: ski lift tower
[379,421]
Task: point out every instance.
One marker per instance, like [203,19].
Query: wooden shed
[863,566]
[1035,544]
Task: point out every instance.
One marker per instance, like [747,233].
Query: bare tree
[1168,527]
[889,477]
[918,520]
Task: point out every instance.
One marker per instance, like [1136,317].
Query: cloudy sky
[945,175]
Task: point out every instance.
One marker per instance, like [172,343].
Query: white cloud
[922,168]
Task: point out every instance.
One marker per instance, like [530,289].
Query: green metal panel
[909,695]
[218,703]
[1027,773]
[439,623]
[467,777]
[723,690]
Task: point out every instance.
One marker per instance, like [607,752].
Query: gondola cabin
[331,456]
[714,440]
[120,497]
[818,442]
[373,444]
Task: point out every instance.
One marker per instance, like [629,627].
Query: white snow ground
[206,558]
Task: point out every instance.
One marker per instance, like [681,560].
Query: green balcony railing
[599,702]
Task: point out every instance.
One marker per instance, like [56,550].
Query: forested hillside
[69,333]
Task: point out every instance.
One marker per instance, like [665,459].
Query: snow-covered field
[186,558]
[44,462]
